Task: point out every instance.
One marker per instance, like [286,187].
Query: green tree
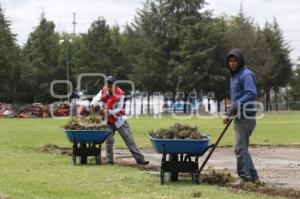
[150,64]
[182,47]
[244,34]
[9,62]
[101,51]
[294,91]
[279,64]
[40,61]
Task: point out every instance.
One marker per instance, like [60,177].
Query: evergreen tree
[9,62]
[279,64]
[40,61]
[294,91]
[101,51]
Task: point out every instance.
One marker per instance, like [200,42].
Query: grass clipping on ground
[224,178]
[268,190]
[178,131]
[218,178]
[54,149]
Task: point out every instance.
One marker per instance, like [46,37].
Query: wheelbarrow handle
[214,146]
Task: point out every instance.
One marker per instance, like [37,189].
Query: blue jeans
[243,129]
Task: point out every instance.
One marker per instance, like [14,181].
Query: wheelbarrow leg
[162,177]
[174,175]
[162,172]
[73,153]
[195,177]
[195,174]
[83,159]
[74,159]
[98,161]
[98,157]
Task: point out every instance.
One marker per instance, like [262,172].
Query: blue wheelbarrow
[183,155]
[87,143]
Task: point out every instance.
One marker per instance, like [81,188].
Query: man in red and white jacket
[112,98]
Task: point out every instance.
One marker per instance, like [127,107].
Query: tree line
[172,45]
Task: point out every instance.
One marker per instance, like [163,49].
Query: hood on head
[238,53]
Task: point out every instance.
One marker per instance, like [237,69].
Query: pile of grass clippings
[178,131]
[85,123]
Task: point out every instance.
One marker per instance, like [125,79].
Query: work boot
[142,162]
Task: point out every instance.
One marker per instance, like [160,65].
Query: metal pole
[67,64]
[74,23]
[134,103]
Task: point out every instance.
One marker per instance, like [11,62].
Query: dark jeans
[243,129]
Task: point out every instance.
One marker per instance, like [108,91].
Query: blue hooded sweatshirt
[242,85]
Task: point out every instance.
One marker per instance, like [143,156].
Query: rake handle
[215,145]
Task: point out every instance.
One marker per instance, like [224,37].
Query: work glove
[226,119]
[231,112]
[94,107]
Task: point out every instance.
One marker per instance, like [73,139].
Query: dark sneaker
[110,162]
[255,178]
[144,162]
[257,181]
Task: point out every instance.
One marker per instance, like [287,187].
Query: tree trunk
[13,94]
[185,103]
[134,105]
[152,105]
[287,99]
[148,105]
[268,99]
[225,105]
[276,100]
[270,102]
[142,100]
[173,103]
[219,106]
[129,112]
[164,104]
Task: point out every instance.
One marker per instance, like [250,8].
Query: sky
[25,14]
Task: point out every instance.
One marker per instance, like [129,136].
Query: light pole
[66,42]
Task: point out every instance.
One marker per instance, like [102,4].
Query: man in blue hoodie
[243,102]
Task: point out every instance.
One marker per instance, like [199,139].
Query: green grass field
[26,173]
